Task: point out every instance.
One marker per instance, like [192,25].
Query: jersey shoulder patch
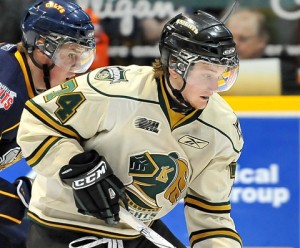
[124,81]
[113,74]
[8,47]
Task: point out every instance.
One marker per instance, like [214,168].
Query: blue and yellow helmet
[56,21]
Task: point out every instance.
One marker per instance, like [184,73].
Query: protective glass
[225,77]
[77,58]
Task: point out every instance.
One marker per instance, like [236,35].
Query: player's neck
[37,74]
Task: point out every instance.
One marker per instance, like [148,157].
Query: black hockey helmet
[187,39]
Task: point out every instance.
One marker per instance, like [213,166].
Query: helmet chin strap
[178,93]
[46,69]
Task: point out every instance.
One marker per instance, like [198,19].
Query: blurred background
[128,32]
[265,199]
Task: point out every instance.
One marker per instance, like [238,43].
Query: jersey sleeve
[54,124]
[12,209]
[10,153]
[13,94]
[207,206]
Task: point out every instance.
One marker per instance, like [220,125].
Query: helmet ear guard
[46,46]
[176,64]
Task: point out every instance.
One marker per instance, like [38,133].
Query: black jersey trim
[74,228]
[207,124]
[205,206]
[198,236]
[118,96]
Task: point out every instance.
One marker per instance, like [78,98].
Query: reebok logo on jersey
[146,124]
[6,97]
[193,142]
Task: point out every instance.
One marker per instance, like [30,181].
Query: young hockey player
[141,137]
[57,43]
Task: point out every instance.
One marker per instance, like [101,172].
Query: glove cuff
[23,186]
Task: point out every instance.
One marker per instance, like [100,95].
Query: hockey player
[141,137]
[57,43]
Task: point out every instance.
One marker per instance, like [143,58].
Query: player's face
[74,57]
[202,81]
[69,59]
[59,75]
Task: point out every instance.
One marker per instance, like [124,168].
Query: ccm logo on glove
[95,175]
[97,191]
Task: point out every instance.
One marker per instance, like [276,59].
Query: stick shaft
[146,231]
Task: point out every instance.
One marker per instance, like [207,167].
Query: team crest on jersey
[10,157]
[113,74]
[153,176]
[6,97]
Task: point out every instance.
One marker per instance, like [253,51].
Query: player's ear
[44,47]
[173,72]
[40,44]
[39,52]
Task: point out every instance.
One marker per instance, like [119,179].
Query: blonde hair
[157,68]
[21,48]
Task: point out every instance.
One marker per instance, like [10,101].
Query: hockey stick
[230,10]
[146,231]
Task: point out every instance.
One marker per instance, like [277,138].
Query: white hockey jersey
[160,155]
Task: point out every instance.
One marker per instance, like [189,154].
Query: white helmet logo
[229,51]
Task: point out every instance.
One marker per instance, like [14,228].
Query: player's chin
[200,103]
[70,76]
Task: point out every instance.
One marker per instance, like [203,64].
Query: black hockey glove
[97,191]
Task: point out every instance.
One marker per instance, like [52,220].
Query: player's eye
[71,55]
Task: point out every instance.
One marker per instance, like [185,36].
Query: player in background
[57,42]
[144,137]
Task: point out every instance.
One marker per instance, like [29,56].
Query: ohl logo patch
[113,74]
[146,124]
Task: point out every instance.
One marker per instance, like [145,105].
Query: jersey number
[67,100]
